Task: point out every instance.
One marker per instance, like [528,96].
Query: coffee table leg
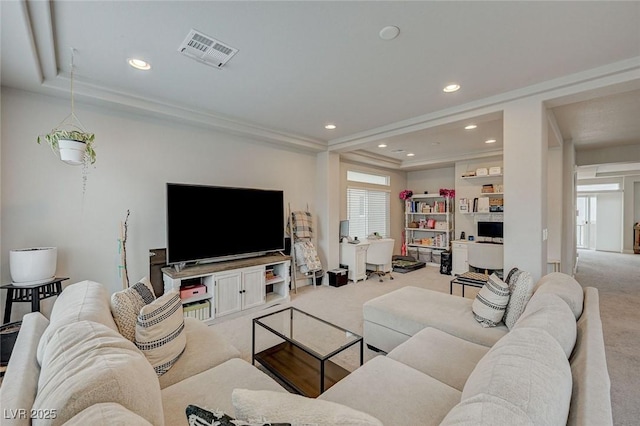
[361,351]
[253,344]
[321,377]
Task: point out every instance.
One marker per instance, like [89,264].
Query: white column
[569,251]
[328,215]
[525,186]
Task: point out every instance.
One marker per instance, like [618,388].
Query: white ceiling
[302,64]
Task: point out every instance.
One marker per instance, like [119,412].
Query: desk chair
[379,256]
[485,257]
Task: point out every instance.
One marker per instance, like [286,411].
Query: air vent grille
[206,49]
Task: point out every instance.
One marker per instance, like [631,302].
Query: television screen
[344,229]
[490,232]
[219,223]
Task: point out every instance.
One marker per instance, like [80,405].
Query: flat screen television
[213,223]
[490,232]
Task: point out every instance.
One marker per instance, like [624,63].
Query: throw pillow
[521,287]
[160,331]
[491,302]
[201,416]
[271,406]
[126,305]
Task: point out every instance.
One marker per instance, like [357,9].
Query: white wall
[609,222]
[431,180]
[42,201]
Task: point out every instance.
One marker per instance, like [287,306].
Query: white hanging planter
[32,265]
[72,152]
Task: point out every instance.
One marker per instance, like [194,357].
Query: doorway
[586,222]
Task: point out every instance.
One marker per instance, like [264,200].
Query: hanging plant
[70,141]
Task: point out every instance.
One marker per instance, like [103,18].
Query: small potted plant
[75,146]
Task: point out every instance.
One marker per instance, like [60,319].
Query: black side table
[33,293]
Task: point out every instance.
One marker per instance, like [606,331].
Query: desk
[33,293]
[355,257]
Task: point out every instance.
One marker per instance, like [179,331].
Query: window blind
[367,212]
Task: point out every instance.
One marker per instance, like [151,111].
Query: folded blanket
[307,257]
[301,224]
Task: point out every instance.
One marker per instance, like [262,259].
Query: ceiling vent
[206,49]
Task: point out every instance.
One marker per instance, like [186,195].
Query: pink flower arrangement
[407,193]
[448,193]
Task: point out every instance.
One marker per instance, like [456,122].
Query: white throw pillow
[160,331]
[521,286]
[256,406]
[126,305]
[491,302]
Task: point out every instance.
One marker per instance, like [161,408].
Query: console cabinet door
[459,264]
[228,296]
[253,293]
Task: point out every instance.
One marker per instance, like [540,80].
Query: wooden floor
[300,370]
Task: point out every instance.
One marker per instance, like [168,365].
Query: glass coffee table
[298,349]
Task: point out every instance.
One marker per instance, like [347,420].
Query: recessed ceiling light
[470,127]
[139,64]
[453,87]
[490,141]
[389,33]
[411,154]
[382,145]
[330,126]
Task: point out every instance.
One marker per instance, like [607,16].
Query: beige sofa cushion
[410,309]
[126,305]
[591,397]
[87,363]
[256,406]
[394,393]
[566,287]
[550,313]
[20,382]
[212,389]
[85,300]
[205,349]
[529,369]
[440,355]
[107,413]
[486,410]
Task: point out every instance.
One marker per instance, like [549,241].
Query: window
[368,212]
[367,178]
[597,187]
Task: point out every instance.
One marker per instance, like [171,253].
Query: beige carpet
[616,276]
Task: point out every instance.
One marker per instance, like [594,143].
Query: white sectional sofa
[99,377]
[547,370]
[443,367]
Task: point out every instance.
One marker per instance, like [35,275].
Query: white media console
[233,287]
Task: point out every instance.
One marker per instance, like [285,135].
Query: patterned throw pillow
[201,416]
[126,305]
[521,287]
[491,302]
[160,331]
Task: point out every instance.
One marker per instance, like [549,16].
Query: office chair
[486,257]
[379,256]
